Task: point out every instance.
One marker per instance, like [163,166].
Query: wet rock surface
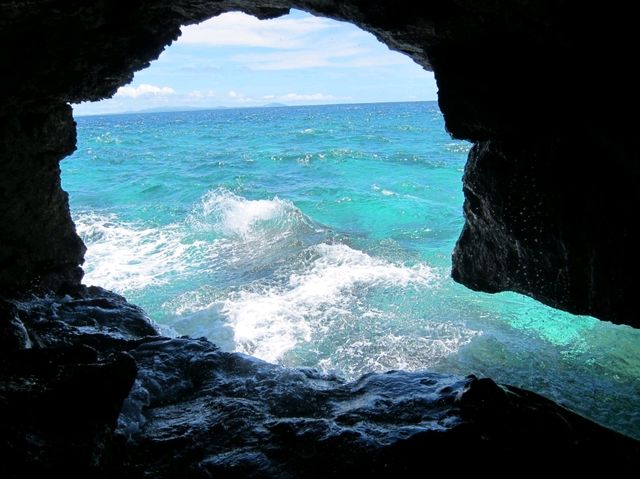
[537,222]
[99,392]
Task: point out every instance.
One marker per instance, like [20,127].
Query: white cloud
[320,55]
[240,29]
[143,90]
[295,97]
[199,94]
[292,43]
[292,60]
[239,97]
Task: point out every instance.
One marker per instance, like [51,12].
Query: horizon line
[189,109]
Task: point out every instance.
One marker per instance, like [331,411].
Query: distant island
[176,109]
[189,108]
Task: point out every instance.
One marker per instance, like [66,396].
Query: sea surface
[321,237]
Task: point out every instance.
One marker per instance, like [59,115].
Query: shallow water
[322,236]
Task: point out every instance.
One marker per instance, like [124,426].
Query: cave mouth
[334,256]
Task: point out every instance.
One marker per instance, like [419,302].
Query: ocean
[321,236]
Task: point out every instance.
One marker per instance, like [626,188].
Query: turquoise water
[322,236]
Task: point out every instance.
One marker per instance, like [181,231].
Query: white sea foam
[317,286]
[384,191]
[394,350]
[125,256]
[223,230]
[269,322]
[234,215]
[237,215]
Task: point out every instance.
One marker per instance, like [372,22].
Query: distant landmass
[188,108]
[173,109]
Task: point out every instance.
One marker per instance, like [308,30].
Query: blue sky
[236,60]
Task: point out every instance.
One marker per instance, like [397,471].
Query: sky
[236,60]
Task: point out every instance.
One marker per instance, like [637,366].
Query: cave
[88,386]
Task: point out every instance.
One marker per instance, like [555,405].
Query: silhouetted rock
[196,411]
[39,247]
[58,410]
[13,334]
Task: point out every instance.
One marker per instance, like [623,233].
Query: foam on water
[327,281]
[322,237]
[128,256]
[271,321]
[234,215]
[393,351]
[125,256]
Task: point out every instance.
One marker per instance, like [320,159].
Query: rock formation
[195,411]
[545,91]
[543,88]
[38,243]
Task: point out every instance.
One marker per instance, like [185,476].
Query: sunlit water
[322,236]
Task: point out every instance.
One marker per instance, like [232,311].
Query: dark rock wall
[550,219]
[38,244]
[544,88]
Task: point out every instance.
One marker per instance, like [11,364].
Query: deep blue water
[321,236]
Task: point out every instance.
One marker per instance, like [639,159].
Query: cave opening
[318,236]
[89,387]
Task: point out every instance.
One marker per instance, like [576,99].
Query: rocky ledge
[87,386]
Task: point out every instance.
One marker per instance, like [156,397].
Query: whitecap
[124,256]
[223,232]
[269,321]
[394,350]
[233,215]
